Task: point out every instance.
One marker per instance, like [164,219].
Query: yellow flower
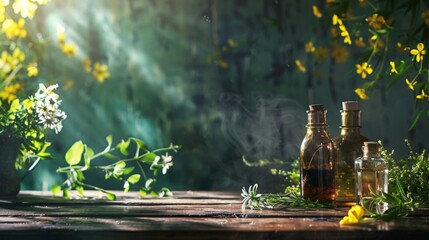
[345,34]
[32,70]
[4,3]
[376,21]
[316,12]
[309,47]
[340,53]
[336,20]
[26,8]
[410,84]
[232,43]
[359,42]
[28,104]
[393,70]
[2,12]
[100,72]
[422,95]
[419,52]
[300,66]
[9,62]
[361,93]
[9,92]
[222,63]
[69,49]
[354,215]
[18,55]
[14,29]
[87,65]
[363,69]
[61,37]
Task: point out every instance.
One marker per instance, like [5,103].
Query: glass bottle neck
[350,130]
[371,154]
[317,129]
[350,119]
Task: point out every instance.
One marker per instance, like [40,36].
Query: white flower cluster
[47,107]
[167,162]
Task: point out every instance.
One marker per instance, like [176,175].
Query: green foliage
[412,173]
[121,169]
[399,204]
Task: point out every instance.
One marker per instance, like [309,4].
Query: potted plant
[23,125]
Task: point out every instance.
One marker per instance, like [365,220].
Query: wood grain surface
[187,215]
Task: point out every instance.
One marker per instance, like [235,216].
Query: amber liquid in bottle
[348,147]
[317,158]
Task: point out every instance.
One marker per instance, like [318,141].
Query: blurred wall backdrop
[217,77]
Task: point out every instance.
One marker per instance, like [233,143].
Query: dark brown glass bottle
[317,158]
[349,147]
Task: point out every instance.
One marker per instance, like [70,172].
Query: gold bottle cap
[350,105]
[316,115]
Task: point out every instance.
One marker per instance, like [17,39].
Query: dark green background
[163,88]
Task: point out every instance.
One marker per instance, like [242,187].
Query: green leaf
[56,189]
[148,157]
[108,175]
[14,106]
[89,153]
[165,192]
[123,147]
[127,171]
[143,193]
[66,193]
[416,119]
[133,179]
[154,194]
[126,186]
[109,140]
[110,196]
[149,183]
[119,166]
[80,190]
[140,143]
[109,144]
[74,154]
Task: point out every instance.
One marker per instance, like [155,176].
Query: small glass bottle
[371,174]
[348,147]
[317,158]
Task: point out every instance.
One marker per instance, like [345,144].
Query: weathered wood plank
[188,215]
[209,228]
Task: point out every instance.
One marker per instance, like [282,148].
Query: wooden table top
[187,215]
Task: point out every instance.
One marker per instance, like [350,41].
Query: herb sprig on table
[81,159]
[291,198]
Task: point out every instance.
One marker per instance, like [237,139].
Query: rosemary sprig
[290,199]
[399,204]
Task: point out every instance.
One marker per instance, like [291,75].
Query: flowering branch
[122,169]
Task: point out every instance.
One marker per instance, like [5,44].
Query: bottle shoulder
[350,139]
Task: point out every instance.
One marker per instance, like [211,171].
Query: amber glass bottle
[348,147]
[317,158]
